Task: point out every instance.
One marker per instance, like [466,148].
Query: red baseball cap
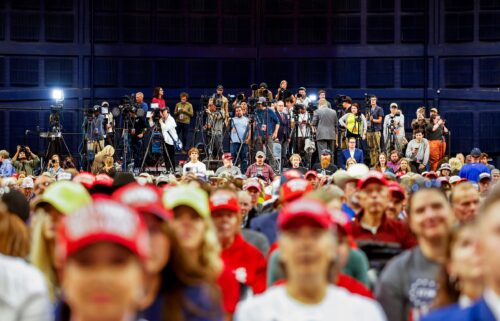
[292,174]
[311,172]
[105,220]
[224,200]
[294,189]
[431,175]
[85,178]
[372,176]
[252,183]
[103,179]
[395,188]
[227,156]
[144,199]
[304,212]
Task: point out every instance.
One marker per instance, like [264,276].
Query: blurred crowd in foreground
[358,244]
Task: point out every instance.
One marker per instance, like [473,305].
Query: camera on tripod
[126,106]
[155,113]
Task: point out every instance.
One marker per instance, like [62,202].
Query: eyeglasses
[425,184]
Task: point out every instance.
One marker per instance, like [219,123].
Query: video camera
[126,106]
[155,113]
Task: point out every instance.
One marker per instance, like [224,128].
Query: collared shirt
[493,301]
[265,118]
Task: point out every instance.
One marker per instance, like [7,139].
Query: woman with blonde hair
[349,162]
[197,236]
[109,166]
[98,164]
[455,164]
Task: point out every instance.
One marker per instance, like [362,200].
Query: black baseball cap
[326,152]
[475,152]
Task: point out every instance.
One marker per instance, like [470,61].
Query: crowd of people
[409,235]
[385,243]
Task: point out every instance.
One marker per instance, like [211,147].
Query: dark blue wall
[400,50]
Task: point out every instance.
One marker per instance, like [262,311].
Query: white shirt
[23,293]
[276,305]
[168,127]
[493,302]
[196,168]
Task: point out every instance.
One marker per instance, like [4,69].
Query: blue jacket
[479,311]
[345,155]
[472,171]
[266,224]
[6,169]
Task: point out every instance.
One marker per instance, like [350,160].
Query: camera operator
[374,132]
[262,91]
[137,130]
[139,101]
[303,129]
[25,161]
[326,122]
[302,98]
[435,135]
[109,123]
[355,124]
[266,130]
[167,125]
[283,93]
[284,130]
[93,125]
[183,113]
[394,129]
[221,102]
[55,166]
[215,128]
[240,137]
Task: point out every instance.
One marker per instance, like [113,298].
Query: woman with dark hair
[408,286]
[158,97]
[355,123]
[382,164]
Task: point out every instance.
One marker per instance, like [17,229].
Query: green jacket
[183,113]
[26,166]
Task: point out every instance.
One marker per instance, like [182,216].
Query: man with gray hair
[326,123]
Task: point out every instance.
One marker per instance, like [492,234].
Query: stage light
[58,95]
[312,97]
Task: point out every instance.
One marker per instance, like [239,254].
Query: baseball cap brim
[189,196]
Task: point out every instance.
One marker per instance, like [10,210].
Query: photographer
[355,124]
[240,137]
[283,93]
[25,161]
[302,98]
[221,101]
[183,113]
[93,126]
[215,128]
[284,130]
[109,124]
[374,131]
[262,91]
[266,130]
[302,128]
[394,129]
[137,131]
[55,166]
[167,124]
[435,135]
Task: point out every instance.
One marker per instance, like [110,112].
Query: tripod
[157,135]
[54,146]
[199,130]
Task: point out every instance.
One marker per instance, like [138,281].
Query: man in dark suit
[284,130]
[351,152]
[326,123]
